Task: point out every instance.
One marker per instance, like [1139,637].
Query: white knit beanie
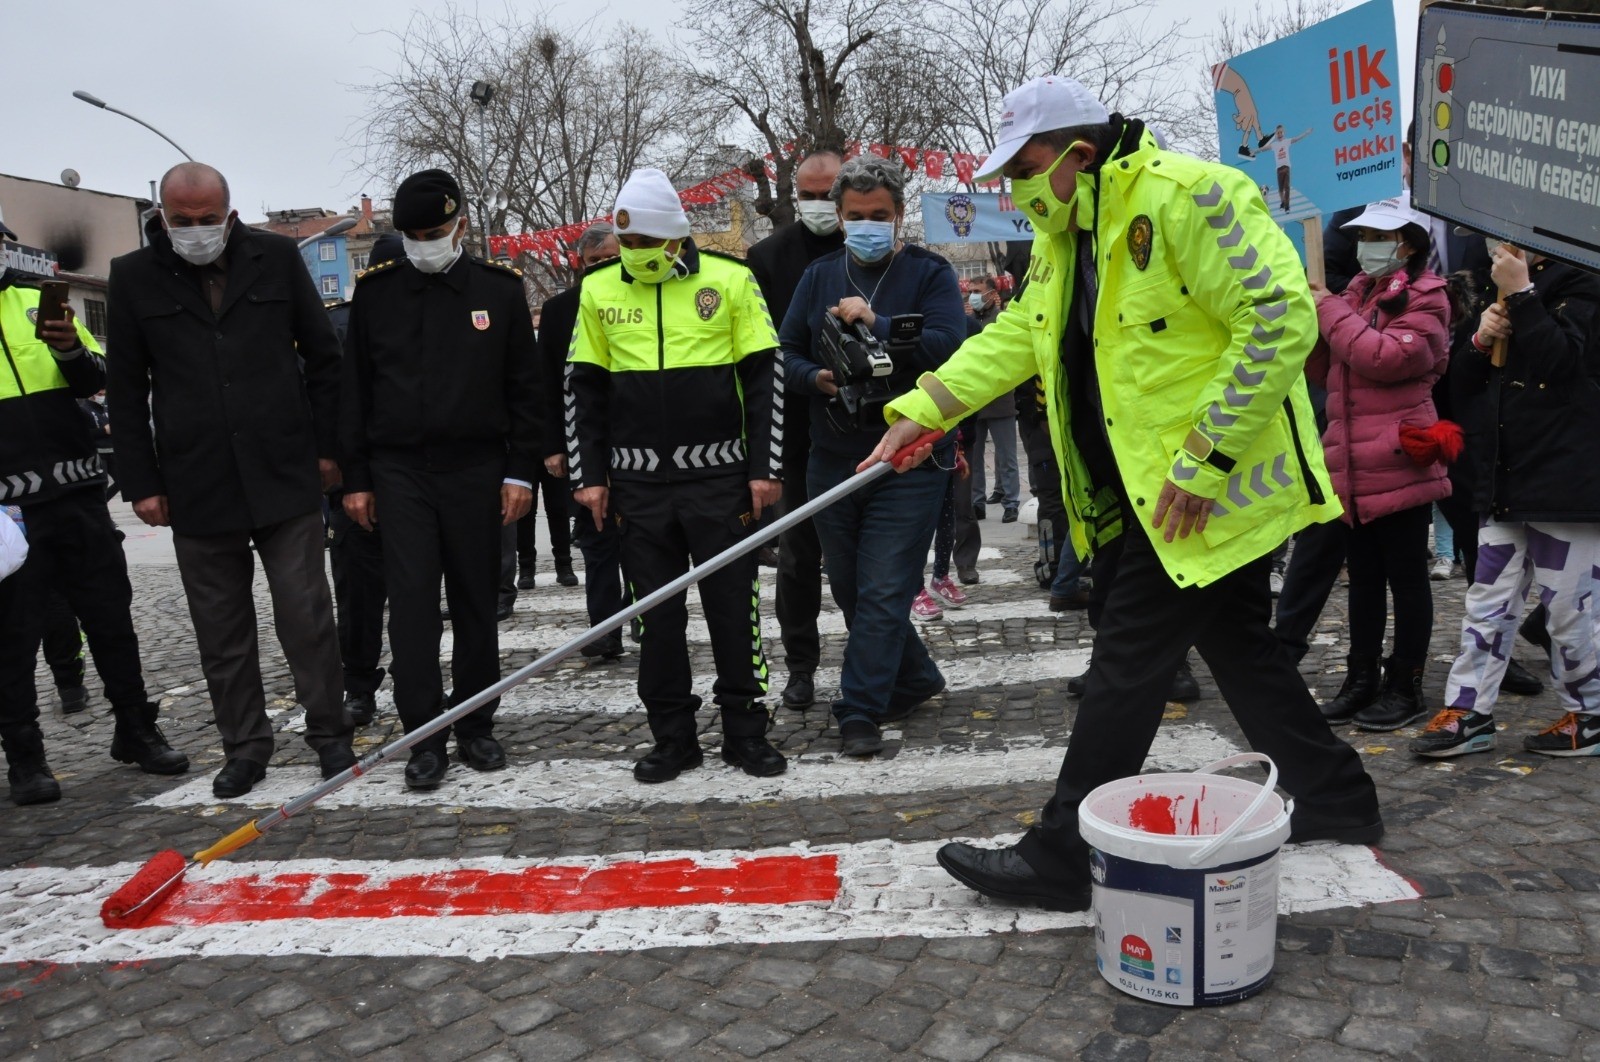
[648,206]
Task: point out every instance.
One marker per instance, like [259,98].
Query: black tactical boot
[1401,703]
[137,739]
[29,774]
[1362,684]
[744,740]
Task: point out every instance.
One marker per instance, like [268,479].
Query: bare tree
[795,74]
[574,112]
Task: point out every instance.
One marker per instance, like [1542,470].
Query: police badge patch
[1140,237]
[33,315]
[622,219]
[480,320]
[706,302]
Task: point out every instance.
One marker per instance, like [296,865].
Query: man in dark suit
[778,261]
[222,327]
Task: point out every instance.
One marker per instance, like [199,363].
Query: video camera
[861,365]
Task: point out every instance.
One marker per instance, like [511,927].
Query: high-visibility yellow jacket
[679,380]
[1201,329]
[47,442]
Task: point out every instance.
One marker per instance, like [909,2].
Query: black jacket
[1538,442]
[778,262]
[244,401]
[440,372]
[557,319]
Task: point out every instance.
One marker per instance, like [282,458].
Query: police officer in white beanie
[675,431]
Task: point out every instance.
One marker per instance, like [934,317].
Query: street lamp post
[482,93]
[95,101]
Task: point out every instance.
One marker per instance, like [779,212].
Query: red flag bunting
[933,163]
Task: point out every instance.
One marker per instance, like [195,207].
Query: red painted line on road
[536,890]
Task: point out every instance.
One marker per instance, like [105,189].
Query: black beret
[426,200]
[385,248]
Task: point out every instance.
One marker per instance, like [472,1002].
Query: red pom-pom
[1439,442]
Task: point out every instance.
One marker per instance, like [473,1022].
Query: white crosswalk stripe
[885,888]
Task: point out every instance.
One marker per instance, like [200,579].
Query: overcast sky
[267,92]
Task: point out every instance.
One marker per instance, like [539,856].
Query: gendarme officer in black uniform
[441,438]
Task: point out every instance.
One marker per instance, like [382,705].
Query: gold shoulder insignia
[507,266]
[379,268]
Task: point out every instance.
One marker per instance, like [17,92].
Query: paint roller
[137,899]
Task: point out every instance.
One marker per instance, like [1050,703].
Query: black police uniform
[440,408]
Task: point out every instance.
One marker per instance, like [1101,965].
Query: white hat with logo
[1387,215]
[648,205]
[1038,106]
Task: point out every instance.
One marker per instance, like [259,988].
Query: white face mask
[818,215]
[1378,258]
[432,256]
[198,244]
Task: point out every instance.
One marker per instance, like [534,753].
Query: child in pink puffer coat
[1385,343]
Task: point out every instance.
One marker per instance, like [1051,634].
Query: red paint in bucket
[1154,813]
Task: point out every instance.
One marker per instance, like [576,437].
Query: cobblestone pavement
[1498,958]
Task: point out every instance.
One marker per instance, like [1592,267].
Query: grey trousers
[218,572]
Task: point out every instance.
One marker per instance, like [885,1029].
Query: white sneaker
[1275,582]
[1441,569]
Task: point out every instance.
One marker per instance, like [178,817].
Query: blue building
[328,259]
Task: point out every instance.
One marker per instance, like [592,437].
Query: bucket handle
[1227,835]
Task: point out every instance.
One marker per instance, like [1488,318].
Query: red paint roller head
[130,906]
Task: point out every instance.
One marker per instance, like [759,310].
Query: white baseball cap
[1387,215]
[1038,106]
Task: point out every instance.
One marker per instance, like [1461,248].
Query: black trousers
[218,573]
[1313,569]
[1044,479]
[665,526]
[969,539]
[1463,523]
[557,497]
[63,643]
[799,579]
[1145,629]
[602,566]
[1389,556]
[359,593]
[506,594]
[76,551]
[441,525]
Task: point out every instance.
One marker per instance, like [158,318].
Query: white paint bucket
[1185,870]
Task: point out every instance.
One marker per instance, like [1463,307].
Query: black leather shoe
[1307,825]
[503,613]
[237,778]
[32,783]
[1009,516]
[335,759]
[426,769]
[1002,874]
[668,760]
[481,753]
[525,578]
[978,511]
[565,575]
[74,699]
[605,649]
[1184,686]
[1076,683]
[144,744]
[860,737]
[968,576]
[1518,680]
[753,755]
[1068,602]
[362,708]
[800,691]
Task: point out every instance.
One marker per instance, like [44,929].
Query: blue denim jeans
[1068,569]
[875,546]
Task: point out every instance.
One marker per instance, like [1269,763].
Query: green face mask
[1038,201]
[649,264]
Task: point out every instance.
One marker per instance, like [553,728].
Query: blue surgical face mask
[869,241]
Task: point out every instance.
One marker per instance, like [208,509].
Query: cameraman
[875,541]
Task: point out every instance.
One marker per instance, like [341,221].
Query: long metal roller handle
[593,634]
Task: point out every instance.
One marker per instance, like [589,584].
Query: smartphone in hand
[52,305]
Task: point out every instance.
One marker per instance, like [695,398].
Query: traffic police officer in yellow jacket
[1170,321]
[50,471]
[675,428]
